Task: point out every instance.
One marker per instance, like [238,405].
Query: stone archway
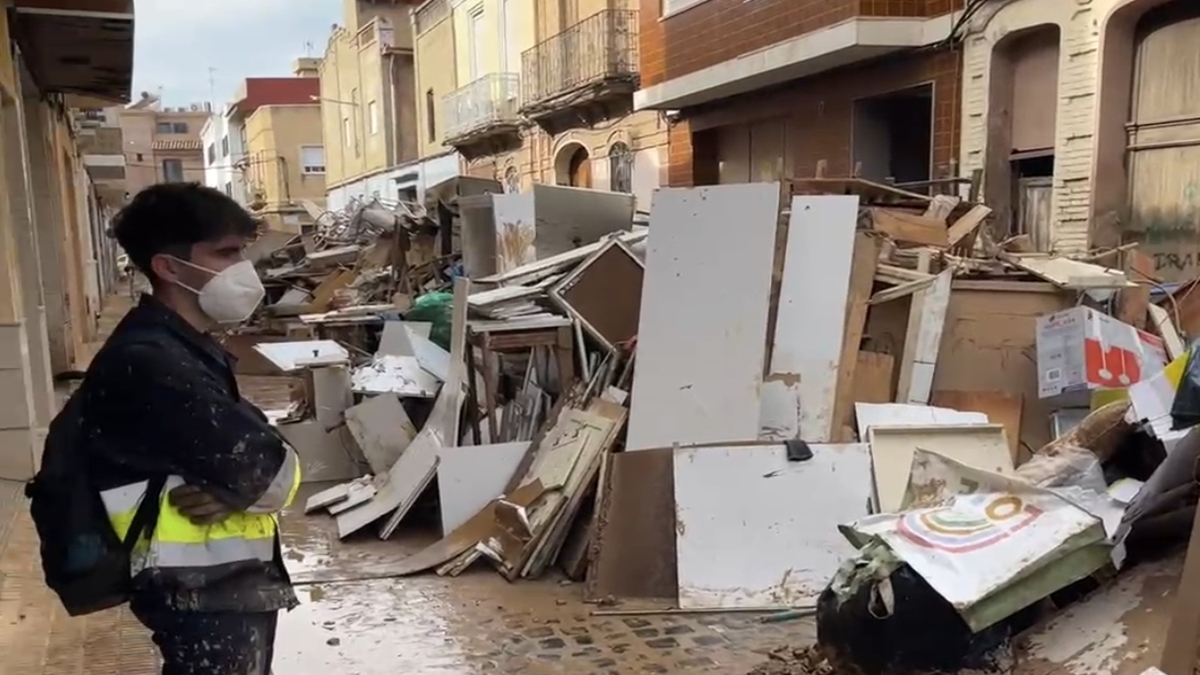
[573,166]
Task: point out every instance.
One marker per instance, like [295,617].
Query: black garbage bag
[1185,409]
[884,618]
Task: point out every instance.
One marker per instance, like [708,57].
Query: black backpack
[84,561]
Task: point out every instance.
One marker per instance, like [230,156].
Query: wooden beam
[862,278]
[1183,634]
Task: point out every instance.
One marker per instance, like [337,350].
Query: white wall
[221,171]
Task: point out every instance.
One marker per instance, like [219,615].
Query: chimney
[306,66]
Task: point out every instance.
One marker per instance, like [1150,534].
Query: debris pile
[766,395]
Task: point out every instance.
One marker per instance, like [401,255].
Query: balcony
[585,74]
[482,117]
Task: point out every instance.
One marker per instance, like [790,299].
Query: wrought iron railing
[492,99]
[602,46]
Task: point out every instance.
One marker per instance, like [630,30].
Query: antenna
[212,85]
[308,48]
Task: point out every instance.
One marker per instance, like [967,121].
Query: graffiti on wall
[1171,236]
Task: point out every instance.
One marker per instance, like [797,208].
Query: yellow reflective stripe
[177,543]
[283,486]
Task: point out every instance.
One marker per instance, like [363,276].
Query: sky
[176,42]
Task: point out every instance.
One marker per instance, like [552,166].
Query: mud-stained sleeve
[203,433]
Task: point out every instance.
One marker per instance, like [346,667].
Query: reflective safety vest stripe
[178,543]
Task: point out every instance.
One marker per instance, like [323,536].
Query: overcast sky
[176,42]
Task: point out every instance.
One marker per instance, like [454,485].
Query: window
[511,53]
[357,112]
[212,154]
[620,168]
[347,132]
[430,120]
[163,127]
[512,180]
[225,146]
[673,6]
[478,33]
[228,189]
[172,171]
[179,127]
[312,160]
[373,117]
[139,157]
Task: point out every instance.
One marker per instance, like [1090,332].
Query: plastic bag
[1069,466]
[1185,409]
[434,308]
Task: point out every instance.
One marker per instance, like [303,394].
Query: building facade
[224,135]
[1083,117]
[285,164]
[224,150]
[546,96]
[866,87]
[162,144]
[368,105]
[53,62]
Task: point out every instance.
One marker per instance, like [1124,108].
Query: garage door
[751,153]
[1164,141]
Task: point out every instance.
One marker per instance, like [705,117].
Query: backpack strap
[145,519]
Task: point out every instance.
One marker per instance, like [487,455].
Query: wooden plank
[907,227]
[922,340]
[635,529]
[679,402]
[1160,318]
[1133,303]
[1001,408]
[799,391]
[873,378]
[967,224]
[941,207]
[862,274]
[1067,273]
[1179,650]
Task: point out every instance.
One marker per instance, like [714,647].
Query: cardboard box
[1081,349]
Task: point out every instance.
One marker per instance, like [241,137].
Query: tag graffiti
[1174,262]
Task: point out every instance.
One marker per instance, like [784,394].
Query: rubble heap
[758,396]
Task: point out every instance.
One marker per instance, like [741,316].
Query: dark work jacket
[160,398]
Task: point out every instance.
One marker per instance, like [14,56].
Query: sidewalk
[476,623]
[36,636]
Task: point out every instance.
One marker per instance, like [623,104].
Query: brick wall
[719,30]
[1077,88]
[818,114]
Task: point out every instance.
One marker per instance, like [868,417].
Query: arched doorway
[573,166]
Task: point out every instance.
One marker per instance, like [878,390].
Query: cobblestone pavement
[474,624]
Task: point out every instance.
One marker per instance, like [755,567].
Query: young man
[160,400]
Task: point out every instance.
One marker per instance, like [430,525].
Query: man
[160,399]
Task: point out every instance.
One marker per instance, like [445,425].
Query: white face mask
[231,295]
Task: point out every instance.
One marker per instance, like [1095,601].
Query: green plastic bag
[437,309]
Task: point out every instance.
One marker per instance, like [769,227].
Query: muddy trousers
[213,643]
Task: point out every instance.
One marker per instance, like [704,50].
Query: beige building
[1083,116]
[285,163]
[367,96]
[162,144]
[546,96]
[52,217]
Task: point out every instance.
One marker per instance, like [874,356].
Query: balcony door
[478,32]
